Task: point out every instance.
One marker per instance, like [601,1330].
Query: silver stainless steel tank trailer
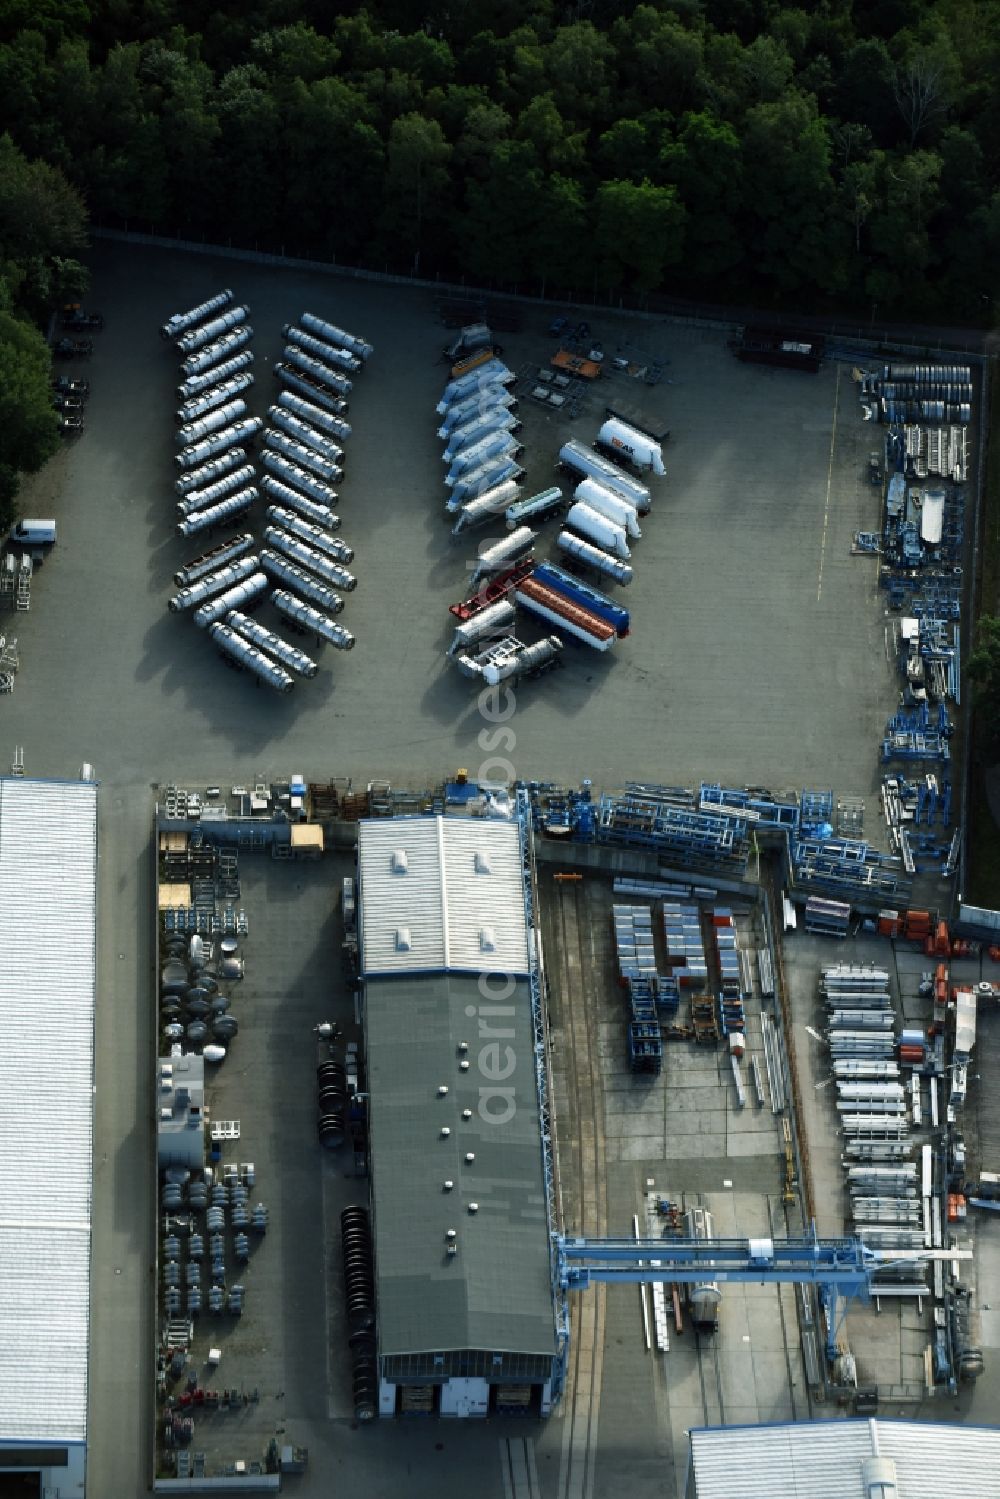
[470,432]
[304,432]
[246,655]
[219,372]
[226,551]
[289,520]
[308,411]
[528,658]
[214,582]
[196,478]
[587,464]
[222,348]
[493,372]
[295,380]
[227,509]
[242,431]
[495,619]
[330,378]
[597,528]
[485,506]
[305,617]
[537,507]
[334,335]
[606,502]
[493,445]
[282,650]
[503,553]
[307,458]
[215,396]
[212,421]
[476,481]
[197,338]
[320,349]
[492,397]
[233,598]
[313,510]
[305,584]
[601,562]
[199,498]
[317,562]
[179,322]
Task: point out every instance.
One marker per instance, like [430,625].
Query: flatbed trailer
[497,588]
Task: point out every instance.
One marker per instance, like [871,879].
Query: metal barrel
[248,656]
[305,617]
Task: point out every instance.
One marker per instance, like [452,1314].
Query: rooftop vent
[464,1065]
[466,1113]
[878,1478]
[470,1157]
[442,1089]
[473,1207]
[452,1249]
[483,865]
[487,939]
[445,1132]
[400,863]
[448,1185]
[451,1233]
[403,943]
[463,1045]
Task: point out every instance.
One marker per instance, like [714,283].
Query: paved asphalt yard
[756,656]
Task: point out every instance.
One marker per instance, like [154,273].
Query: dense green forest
[837,153]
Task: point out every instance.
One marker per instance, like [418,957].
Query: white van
[33,533]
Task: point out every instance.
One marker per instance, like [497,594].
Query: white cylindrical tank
[309,411]
[213,377]
[476,512]
[290,520]
[305,617]
[602,562]
[606,502]
[197,338]
[197,499]
[282,650]
[493,445]
[331,334]
[204,520]
[597,528]
[470,432]
[196,478]
[296,380]
[638,447]
[307,458]
[223,348]
[233,598]
[502,553]
[587,464]
[181,321]
[305,433]
[328,353]
[248,656]
[314,510]
[304,583]
[212,421]
[215,396]
[495,619]
[493,372]
[492,397]
[227,551]
[213,582]
[317,562]
[327,376]
[237,432]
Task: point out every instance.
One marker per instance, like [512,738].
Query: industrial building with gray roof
[462,1252]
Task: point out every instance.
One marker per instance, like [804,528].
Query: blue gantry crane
[841,1269]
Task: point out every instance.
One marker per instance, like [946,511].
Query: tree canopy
[740,149]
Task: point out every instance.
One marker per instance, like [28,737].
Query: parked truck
[623,443]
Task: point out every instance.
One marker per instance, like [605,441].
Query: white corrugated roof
[48,901]
[441,894]
[823,1459]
